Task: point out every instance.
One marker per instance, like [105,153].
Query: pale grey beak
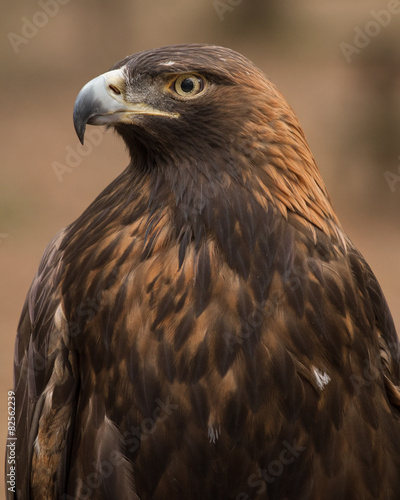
[102,101]
[99,100]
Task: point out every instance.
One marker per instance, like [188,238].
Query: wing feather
[45,382]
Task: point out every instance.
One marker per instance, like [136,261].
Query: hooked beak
[102,102]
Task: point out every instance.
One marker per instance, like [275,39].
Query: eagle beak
[102,102]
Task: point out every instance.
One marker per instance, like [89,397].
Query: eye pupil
[187,85]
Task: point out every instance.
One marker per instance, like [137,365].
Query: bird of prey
[205,329]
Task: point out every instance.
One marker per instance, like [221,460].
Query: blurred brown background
[337,63]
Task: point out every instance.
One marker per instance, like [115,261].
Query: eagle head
[186,100]
[198,114]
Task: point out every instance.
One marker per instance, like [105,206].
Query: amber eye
[188,85]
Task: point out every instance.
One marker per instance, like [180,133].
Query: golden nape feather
[205,329]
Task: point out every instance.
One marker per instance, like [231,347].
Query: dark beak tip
[80,131]
[81,136]
[80,126]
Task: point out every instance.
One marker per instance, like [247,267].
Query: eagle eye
[188,85]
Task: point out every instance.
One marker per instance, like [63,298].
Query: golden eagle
[205,329]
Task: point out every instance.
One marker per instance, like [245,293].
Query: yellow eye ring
[188,85]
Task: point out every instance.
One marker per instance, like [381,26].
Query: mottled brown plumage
[205,329]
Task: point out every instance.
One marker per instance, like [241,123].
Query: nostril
[114,89]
